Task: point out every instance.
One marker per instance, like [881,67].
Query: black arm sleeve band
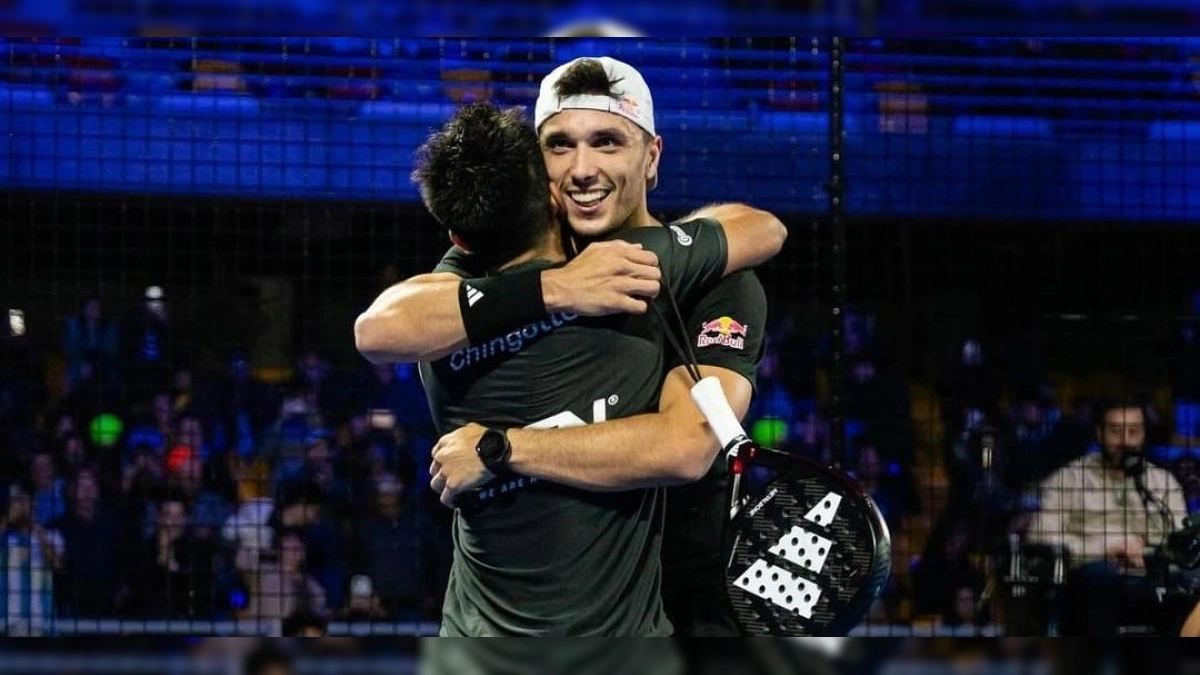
[493,306]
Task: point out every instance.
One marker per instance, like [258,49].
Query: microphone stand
[1135,467]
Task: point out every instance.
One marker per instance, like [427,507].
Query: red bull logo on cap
[725,331]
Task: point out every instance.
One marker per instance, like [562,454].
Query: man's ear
[653,154]
[457,241]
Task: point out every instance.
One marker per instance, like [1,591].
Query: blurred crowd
[959,463]
[136,486]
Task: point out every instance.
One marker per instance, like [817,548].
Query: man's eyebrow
[610,131]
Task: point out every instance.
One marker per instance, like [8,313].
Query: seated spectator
[398,552]
[944,567]
[302,507]
[320,469]
[146,343]
[965,612]
[247,530]
[152,425]
[1092,507]
[141,488]
[893,495]
[280,584]
[171,574]
[185,481]
[971,384]
[29,554]
[90,338]
[72,454]
[243,406]
[90,573]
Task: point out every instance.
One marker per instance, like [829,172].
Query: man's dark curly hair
[482,176]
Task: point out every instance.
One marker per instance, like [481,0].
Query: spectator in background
[72,455]
[944,567]
[1093,508]
[49,498]
[247,531]
[879,400]
[399,553]
[282,586]
[301,508]
[185,481]
[154,424]
[894,496]
[23,386]
[141,487]
[90,341]
[65,426]
[147,343]
[189,432]
[965,610]
[88,394]
[810,436]
[29,554]
[314,376]
[1031,423]
[772,396]
[321,470]
[91,568]
[352,447]
[244,406]
[171,575]
[972,387]
[184,397]
[397,387]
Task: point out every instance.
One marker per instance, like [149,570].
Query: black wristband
[492,306]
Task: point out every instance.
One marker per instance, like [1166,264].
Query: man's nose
[583,169]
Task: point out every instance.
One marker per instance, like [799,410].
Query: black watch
[494,450]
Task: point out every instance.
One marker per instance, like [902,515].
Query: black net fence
[988,237]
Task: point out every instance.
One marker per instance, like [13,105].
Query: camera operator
[1109,510]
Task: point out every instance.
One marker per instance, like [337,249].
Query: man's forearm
[415,320]
[625,454]
[670,447]
[754,236]
[421,319]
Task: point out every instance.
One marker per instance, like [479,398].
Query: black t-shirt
[727,327]
[536,558]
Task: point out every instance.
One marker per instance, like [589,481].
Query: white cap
[630,95]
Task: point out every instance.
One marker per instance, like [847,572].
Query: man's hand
[609,277]
[456,467]
[1128,553]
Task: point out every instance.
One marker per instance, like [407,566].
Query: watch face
[491,446]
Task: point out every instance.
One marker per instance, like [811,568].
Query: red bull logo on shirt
[725,331]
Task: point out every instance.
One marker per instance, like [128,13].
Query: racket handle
[710,398]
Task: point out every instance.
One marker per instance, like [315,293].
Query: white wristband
[710,398]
